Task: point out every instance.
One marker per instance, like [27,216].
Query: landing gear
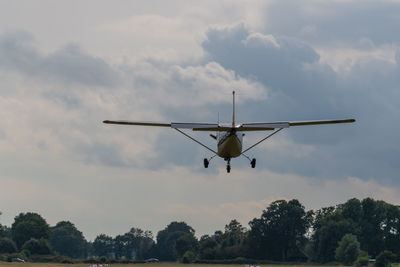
[228,165]
[253,163]
[206,162]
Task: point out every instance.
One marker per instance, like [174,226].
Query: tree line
[352,232]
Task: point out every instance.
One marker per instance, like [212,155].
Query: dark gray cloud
[301,88]
[324,22]
[69,64]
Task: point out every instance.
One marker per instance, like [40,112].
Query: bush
[362,261]
[51,258]
[7,245]
[385,258]
[188,257]
[348,250]
[103,259]
[35,246]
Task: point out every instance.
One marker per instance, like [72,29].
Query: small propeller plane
[229,137]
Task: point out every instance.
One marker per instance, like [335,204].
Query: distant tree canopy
[7,245]
[134,244]
[67,240]
[103,245]
[29,225]
[167,238]
[348,250]
[376,224]
[280,231]
[285,231]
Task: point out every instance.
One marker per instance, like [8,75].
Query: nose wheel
[228,165]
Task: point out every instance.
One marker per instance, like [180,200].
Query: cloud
[301,87]
[335,22]
[69,64]
[180,62]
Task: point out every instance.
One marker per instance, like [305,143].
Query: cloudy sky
[65,66]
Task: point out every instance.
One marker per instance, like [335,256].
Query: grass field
[28,264]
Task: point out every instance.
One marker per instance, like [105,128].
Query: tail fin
[233,109]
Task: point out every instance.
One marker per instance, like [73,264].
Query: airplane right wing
[265,126]
[302,123]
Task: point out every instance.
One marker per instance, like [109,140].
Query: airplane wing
[302,123]
[265,126]
[140,123]
[176,125]
[258,126]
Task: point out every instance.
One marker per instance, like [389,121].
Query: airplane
[229,137]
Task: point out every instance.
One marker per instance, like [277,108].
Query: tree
[208,247]
[7,245]
[41,246]
[188,257]
[385,258]
[67,240]
[234,233]
[29,225]
[184,243]
[135,243]
[103,245]
[5,231]
[280,230]
[167,238]
[371,234]
[348,250]
[328,236]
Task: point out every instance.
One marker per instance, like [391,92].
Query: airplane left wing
[175,125]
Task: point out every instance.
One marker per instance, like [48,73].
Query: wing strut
[188,136]
[262,140]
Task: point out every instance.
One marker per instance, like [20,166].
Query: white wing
[141,123]
[265,126]
[258,126]
[176,125]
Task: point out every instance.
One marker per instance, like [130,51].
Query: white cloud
[162,61]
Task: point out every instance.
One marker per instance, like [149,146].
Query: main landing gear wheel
[253,163]
[206,162]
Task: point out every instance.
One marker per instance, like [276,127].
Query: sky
[65,66]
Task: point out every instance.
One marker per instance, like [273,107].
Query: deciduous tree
[29,225]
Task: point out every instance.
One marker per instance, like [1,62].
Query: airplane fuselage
[229,144]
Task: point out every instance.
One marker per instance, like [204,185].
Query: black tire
[206,162]
[253,163]
[228,169]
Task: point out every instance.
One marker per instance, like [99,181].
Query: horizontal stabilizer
[262,126]
[193,125]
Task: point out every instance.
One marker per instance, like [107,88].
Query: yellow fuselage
[229,144]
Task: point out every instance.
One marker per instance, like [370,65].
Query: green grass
[29,264]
